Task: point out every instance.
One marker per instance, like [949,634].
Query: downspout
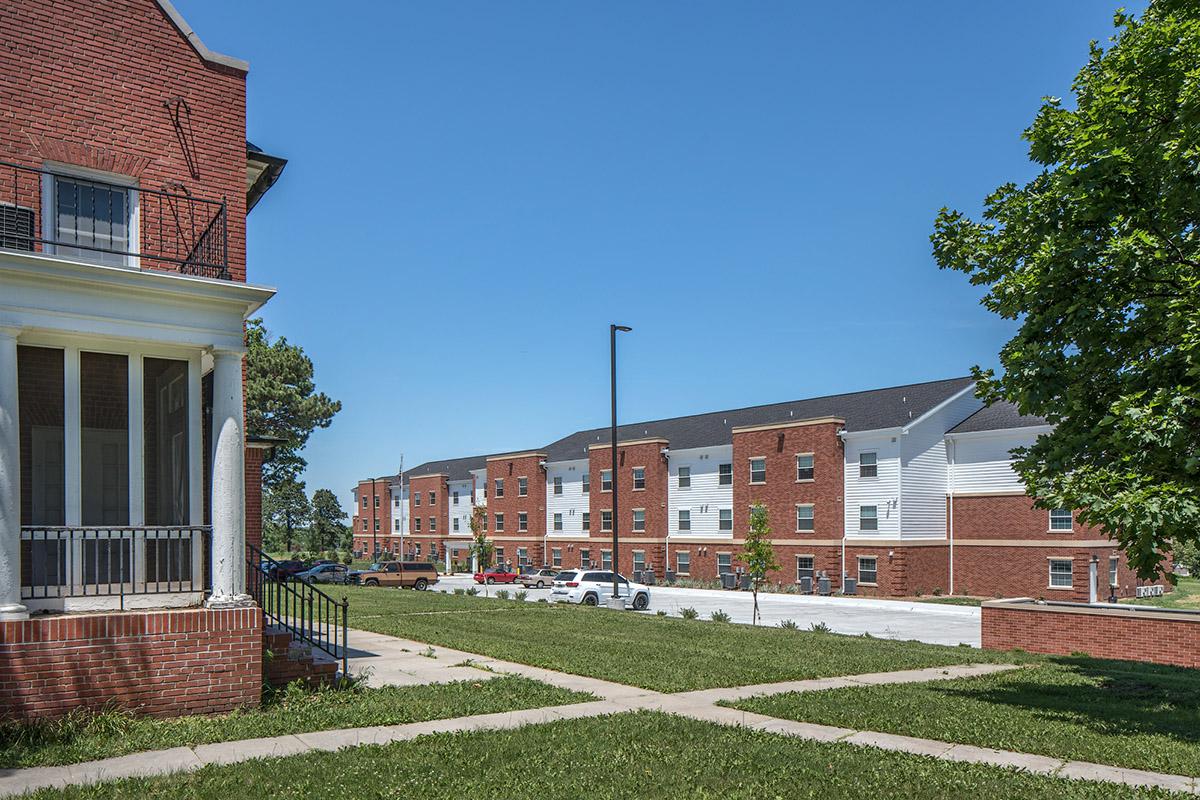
[953,457]
[666,454]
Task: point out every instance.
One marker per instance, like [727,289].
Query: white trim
[195,413]
[137,433]
[1000,432]
[72,440]
[937,408]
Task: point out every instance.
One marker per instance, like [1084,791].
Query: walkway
[399,661]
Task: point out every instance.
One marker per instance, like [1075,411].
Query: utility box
[823,586]
[849,585]
[806,585]
[728,580]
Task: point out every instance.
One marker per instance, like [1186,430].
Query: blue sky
[476,189]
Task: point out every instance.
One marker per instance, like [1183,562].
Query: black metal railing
[311,615]
[92,220]
[61,562]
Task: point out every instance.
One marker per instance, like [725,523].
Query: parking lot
[886,619]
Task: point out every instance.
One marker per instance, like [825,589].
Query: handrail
[298,606]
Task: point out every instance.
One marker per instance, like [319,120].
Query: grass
[952,600]
[84,737]
[1140,716]
[1186,595]
[661,653]
[637,755]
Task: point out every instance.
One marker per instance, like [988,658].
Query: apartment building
[907,490]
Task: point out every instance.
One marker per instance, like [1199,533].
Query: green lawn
[662,653]
[642,755]
[1141,716]
[1186,595]
[87,737]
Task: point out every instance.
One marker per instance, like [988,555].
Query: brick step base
[289,660]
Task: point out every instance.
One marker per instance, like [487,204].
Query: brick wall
[89,85]
[162,663]
[999,517]
[645,455]
[511,469]
[1158,636]
[363,537]
[433,512]
[254,519]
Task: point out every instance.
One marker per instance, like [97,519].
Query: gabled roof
[194,40]
[996,417]
[458,469]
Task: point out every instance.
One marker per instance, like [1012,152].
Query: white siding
[882,491]
[462,511]
[572,502]
[480,479]
[982,461]
[400,512]
[705,497]
[923,479]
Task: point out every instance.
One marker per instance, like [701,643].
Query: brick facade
[1139,634]
[377,512]
[511,469]
[645,455]
[161,663]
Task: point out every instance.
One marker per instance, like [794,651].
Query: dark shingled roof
[997,417]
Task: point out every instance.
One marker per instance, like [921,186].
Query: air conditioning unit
[1149,591]
[16,227]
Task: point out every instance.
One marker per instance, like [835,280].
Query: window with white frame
[758,470]
[805,568]
[377,525]
[499,487]
[416,498]
[585,558]
[396,525]
[868,569]
[725,474]
[639,519]
[587,483]
[804,467]
[433,498]
[685,477]
[500,556]
[454,524]
[454,498]
[1113,563]
[522,487]
[804,518]
[725,519]
[1060,573]
[606,559]
[417,524]
[1061,519]
[639,561]
[376,501]
[606,480]
[433,524]
[867,466]
[522,521]
[684,519]
[868,518]
[484,517]
[558,484]
[93,221]
[364,524]
[499,522]
[364,501]
[522,556]
[558,523]
[556,556]
[587,520]
[683,562]
[639,478]
[724,563]
[606,520]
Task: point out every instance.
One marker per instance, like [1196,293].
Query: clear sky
[476,189]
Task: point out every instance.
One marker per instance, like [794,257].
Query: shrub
[937,591]
[819,627]
[472,591]
[502,594]
[522,596]
[789,625]
[460,590]
[719,616]
[689,613]
[661,613]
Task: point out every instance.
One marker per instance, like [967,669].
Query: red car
[496,575]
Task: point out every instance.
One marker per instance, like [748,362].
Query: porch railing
[298,606]
[61,562]
[51,212]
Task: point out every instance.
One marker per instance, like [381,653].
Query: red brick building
[126,179]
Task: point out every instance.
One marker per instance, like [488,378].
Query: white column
[10,482]
[228,484]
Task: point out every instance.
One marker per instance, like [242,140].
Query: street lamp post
[612,350]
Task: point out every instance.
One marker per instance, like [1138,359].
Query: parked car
[496,575]
[537,578]
[325,573]
[594,587]
[419,575]
[282,570]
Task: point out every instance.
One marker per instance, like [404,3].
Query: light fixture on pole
[615,601]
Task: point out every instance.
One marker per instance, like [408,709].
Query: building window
[396,501]
[417,524]
[867,569]
[587,521]
[639,562]
[558,484]
[585,558]
[377,526]
[867,468]
[587,483]
[1061,519]
[685,519]
[416,498]
[499,487]
[364,501]
[556,556]
[639,478]
[804,467]
[683,562]
[485,490]
[453,523]
[433,498]
[685,477]
[805,568]
[606,480]
[758,470]
[868,518]
[485,521]
[433,524]
[725,475]
[1113,563]
[522,557]
[364,522]
[499,522]
[1060,573]
[606,520]
[522,487]
[500,556]
[804,518]
[725,519]
[639,519]
[558,522]
[522,521]
[724,563]
[454,498]
[396,525]
[376,501]
[606,559]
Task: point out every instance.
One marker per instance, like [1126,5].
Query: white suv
[594,587]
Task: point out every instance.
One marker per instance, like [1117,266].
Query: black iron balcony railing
[59,562]
[84,219]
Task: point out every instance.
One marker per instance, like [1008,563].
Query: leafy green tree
[286,510]
[757,553]
[328,529]
[481,546]
[1097,259]
[282,401]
